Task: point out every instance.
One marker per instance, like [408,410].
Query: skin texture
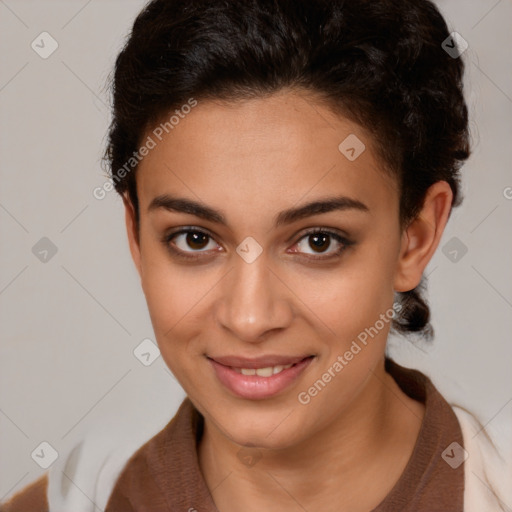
[250,160]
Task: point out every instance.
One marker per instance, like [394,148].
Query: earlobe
[132,232]
[421,238]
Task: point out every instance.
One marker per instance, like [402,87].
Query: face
[260,239]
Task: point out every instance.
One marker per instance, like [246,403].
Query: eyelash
[345,243]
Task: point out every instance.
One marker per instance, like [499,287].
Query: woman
[287,171]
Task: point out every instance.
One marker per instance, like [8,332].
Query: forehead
[262,153]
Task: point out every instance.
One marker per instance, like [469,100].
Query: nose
[254,301]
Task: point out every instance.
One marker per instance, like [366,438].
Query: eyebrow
[289,216]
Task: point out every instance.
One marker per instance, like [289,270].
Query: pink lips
[254,387]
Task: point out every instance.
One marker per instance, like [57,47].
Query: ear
[421,238]
[133,235]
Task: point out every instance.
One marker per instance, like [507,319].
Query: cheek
[178,298]
[351,297]
[175,297]
[170,291]
[171,297]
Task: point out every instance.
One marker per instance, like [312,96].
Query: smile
[259,381]
[263,372]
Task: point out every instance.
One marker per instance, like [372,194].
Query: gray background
[69,325]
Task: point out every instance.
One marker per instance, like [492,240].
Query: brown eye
[187,242]
[196,240]
[320,241]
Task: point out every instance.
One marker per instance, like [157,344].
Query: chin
[273,432]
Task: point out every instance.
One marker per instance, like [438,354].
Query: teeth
[263,372]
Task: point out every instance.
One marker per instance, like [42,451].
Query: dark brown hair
[380,63]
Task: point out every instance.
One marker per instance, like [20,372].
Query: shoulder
[136,484]
[32,497]
[488,465]
[82,480]
[84,475]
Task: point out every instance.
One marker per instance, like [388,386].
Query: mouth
[259,378]
[258,362]
[265,366]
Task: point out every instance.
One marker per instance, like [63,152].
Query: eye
[319,241]
[189,240]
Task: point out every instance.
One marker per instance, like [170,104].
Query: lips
[252,379]
[259,362]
